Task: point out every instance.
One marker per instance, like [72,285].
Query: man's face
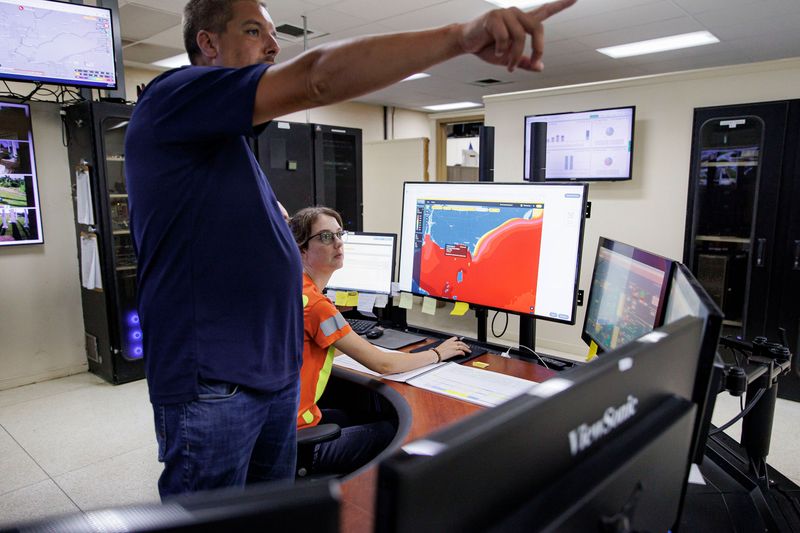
[249,37]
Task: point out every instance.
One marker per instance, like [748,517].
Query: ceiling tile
[141,22]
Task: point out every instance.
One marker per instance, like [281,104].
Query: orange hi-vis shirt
[323,325]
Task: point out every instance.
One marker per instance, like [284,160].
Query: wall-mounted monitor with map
[20,217]
[510,246]
[57,43]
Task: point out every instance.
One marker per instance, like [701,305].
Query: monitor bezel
[74,83]
[37,207]
[395,238]
[527,170]
[704,395]
[585,186]
[627,250]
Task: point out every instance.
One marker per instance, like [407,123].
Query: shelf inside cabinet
[117,195]
[121,232]
[722,238]
[707,164]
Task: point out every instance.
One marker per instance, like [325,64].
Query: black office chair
[306,439]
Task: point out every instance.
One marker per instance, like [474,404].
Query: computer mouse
[374,333]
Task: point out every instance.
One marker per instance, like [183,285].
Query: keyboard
[361,325]
[477,350]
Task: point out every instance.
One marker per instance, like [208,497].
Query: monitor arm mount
[763,364]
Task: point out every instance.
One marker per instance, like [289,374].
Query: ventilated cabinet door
[124,322]
[736,167]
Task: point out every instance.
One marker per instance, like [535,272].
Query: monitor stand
[527,329]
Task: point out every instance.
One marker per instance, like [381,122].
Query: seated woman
[318,233]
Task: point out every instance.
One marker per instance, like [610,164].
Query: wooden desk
[429,412]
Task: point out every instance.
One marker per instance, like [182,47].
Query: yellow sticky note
[480,364]
[592,351]
[460,308]
[406,301]
[428,305]
[352,299]
[341,298]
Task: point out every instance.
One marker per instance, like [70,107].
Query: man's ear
[207,42]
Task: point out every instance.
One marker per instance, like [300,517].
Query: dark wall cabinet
[95,134]
[314,164]
[743,229]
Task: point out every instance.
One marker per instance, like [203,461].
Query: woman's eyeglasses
[326,237]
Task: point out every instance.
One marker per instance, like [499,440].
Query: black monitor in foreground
[687,297]
[268,507]
[515,247]
[368,263]
[627,294]
[601,443]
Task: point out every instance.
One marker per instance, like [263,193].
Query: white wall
[650,210]
[41,331]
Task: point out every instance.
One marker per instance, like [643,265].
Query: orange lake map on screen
[482,253]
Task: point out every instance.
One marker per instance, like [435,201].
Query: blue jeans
[356,446]
[228,437]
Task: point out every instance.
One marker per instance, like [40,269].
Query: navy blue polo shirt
[219,274]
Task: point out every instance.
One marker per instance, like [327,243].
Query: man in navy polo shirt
[220,279]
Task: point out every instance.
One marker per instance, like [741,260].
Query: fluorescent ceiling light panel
[522,4]
[450,107]
[417,76]
[174,61]
[675,42]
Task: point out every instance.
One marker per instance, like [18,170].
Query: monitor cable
[537,356]
[743,413]
[496,335]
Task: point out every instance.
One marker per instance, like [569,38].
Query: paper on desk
[472,385]
[345,361]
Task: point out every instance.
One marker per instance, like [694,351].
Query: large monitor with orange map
[514,247]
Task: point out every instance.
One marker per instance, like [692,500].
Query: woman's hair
[302,221]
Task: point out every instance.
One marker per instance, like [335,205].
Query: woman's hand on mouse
[452,347]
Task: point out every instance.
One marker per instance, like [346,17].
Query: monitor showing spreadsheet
[368,263]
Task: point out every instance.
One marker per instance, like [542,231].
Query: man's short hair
[302,221]
[209,15]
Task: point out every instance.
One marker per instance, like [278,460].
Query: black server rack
[314,164]
[95,136]
[742,227]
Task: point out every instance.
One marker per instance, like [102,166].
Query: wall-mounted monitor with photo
[57,42]
[594,145]
[20,218]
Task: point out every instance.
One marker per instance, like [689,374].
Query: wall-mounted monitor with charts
[515,247]
[368,263]
[592,145]
[627,294]
[57,42]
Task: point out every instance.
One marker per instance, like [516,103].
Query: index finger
[532,22]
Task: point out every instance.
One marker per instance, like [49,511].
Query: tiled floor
[75,443]
[80,443]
